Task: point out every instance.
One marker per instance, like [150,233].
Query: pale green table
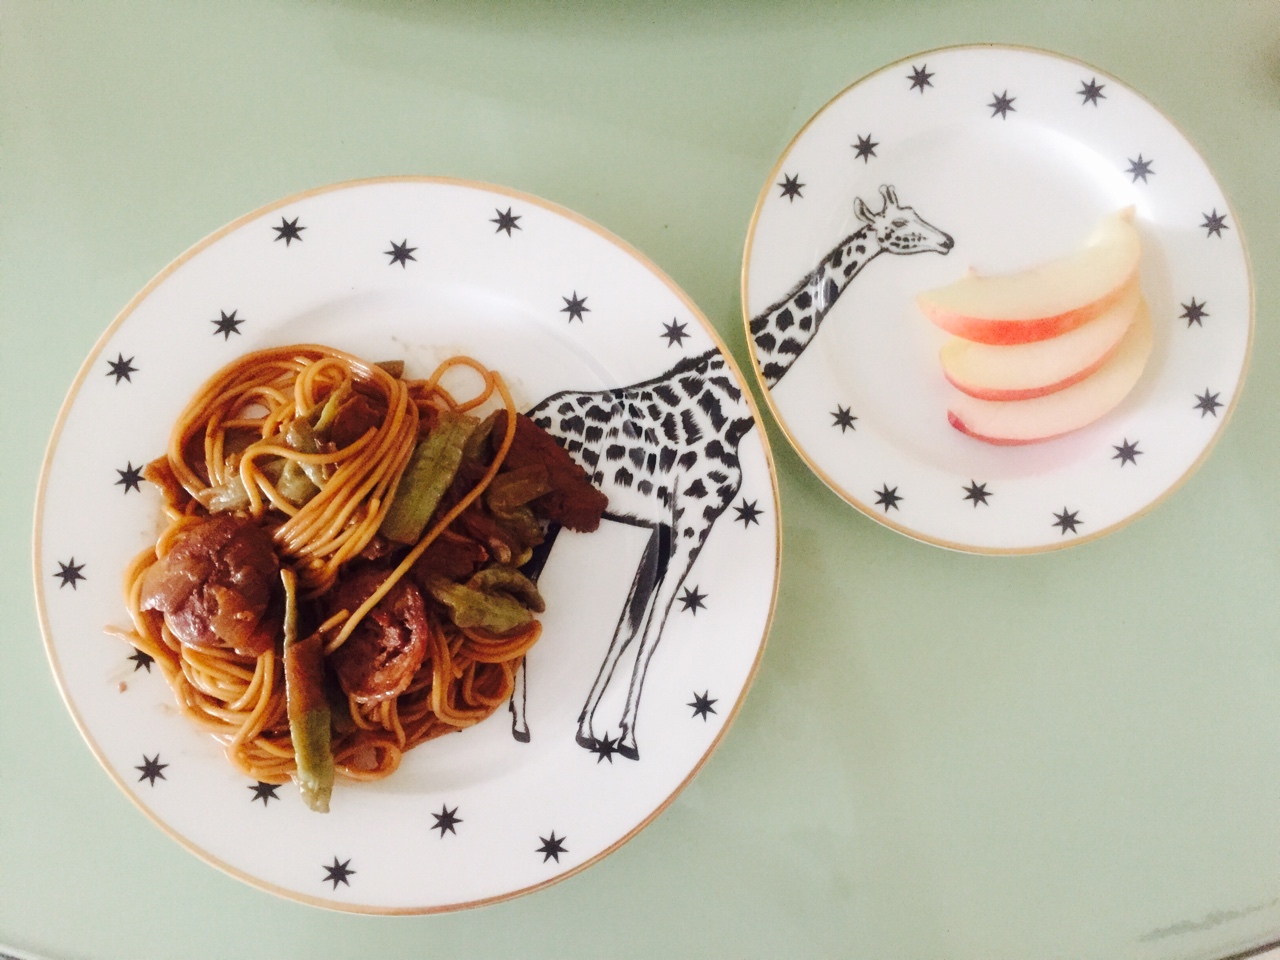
[1073,755]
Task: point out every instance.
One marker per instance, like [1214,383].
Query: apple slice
[1013,422]
[1024,370]
[1044,301]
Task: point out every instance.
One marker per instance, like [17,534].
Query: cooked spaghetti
[339,575]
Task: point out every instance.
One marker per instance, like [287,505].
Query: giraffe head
[900,229]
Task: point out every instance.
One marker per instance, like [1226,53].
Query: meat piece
[378,661]
[355,418]
[159,473]
[573,501]
[377,548]
[214,585]
[497,540]
[451,556]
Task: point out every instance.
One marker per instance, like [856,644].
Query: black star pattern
[552,847]
[691,600]
[130,477]
[575,307]
[506,221]
[446,820]
[1091,90]
[919,77]
[69,573]
[604,748]
[747,513]
[887,497]
[1126,452]
[791,187]
[843,418]
[1208,403]
[1194,312]
[675,335]
[1215,223]
[977,492]
[142,659]
[1002,104]
[121,368]
[337,873]
[227,324]
[1140,169]
[401,253]
[702,704]
[266,792]
[1067,520]
[152,769]
[289,231]
[866,148]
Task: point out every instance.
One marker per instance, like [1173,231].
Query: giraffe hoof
[630,751]
[586,741]
[520,735]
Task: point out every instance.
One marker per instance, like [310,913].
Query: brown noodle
[465,675]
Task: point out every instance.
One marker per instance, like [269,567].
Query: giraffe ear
[862,211]
[890,196]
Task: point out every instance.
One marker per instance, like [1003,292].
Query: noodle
[232,440]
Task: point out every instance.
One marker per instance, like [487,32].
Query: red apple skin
[955,421]
[1029,394]
[1116,377]
[1004,332]
[1071,291]
[1107,332]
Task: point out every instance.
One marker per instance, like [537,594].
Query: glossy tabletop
[1073,754]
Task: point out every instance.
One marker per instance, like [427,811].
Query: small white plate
[419,269]
[1014,155]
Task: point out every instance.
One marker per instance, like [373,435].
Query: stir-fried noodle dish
[339,574]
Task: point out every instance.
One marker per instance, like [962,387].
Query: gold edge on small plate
[168,270]
[868,509]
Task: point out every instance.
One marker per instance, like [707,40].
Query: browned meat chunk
[355,418]
[451,556]
[379,659]
[159,473]
[214,585]
[573,501]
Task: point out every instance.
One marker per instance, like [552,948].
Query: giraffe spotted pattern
[659,447]
[665,453]
[785,328]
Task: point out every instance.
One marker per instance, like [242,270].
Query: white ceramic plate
[1014,155]
[421,269]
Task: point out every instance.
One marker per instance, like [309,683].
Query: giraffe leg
[532,570]
[684,553]
[652,568]
[519,722]
[660,609]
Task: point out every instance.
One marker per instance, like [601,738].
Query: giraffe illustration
[665,452]
[783,330]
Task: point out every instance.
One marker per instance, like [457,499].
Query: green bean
[427,476]
[307,706]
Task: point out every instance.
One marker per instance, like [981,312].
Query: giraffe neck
[784,329]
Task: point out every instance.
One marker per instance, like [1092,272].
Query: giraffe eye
[899,222]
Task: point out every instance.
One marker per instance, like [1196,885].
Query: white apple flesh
[1025,370]
[1014,422]
[1045,301]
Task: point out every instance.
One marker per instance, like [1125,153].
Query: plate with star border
[995,160]
[420,269]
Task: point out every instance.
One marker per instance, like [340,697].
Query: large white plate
[1014,155]
[420,269]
